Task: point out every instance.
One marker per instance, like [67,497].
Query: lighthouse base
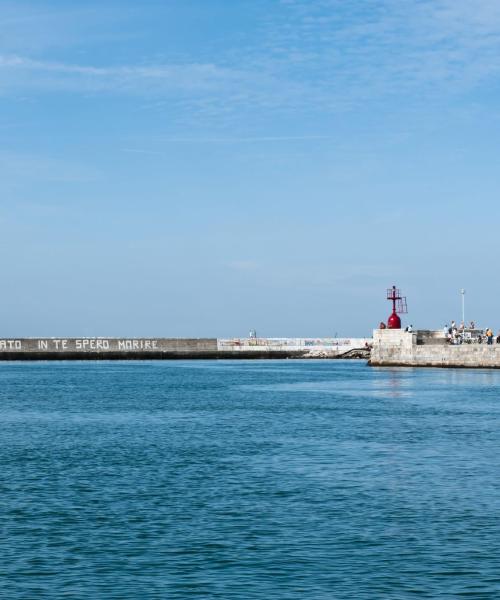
[394,322]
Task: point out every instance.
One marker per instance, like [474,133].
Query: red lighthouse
[398,307]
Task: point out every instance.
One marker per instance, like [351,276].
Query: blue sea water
[248,480]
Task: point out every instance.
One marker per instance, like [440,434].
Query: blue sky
[204,167]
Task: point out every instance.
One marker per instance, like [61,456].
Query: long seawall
[100,348]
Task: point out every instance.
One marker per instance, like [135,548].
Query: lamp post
[462,292]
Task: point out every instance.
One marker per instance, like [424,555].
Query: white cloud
[377,47]
[311,55]
[244,140]
[23,71]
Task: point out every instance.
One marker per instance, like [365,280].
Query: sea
[292,479]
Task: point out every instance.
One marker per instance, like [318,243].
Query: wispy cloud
[231,140]
[378,47]
[127,78]
[309,55]
[205,89]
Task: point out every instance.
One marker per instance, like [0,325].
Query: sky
[194,168]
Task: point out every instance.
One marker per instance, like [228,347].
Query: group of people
[456,335]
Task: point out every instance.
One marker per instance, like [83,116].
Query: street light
[462,291]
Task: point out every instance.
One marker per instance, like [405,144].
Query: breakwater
[429,349]
[100,348]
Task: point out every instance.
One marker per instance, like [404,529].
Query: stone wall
[399,348]
[307,347]
[171,348]
[97,348]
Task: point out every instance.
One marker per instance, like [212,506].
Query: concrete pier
[395,347]
[178,348]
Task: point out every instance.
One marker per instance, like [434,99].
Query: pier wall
[174,348]
[105,348]
[429,349]
[308,347]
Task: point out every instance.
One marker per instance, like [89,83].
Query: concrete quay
[398,348]
[179,348]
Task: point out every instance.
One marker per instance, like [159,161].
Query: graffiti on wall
[77,344]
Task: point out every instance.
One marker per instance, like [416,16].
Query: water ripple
[248,480]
